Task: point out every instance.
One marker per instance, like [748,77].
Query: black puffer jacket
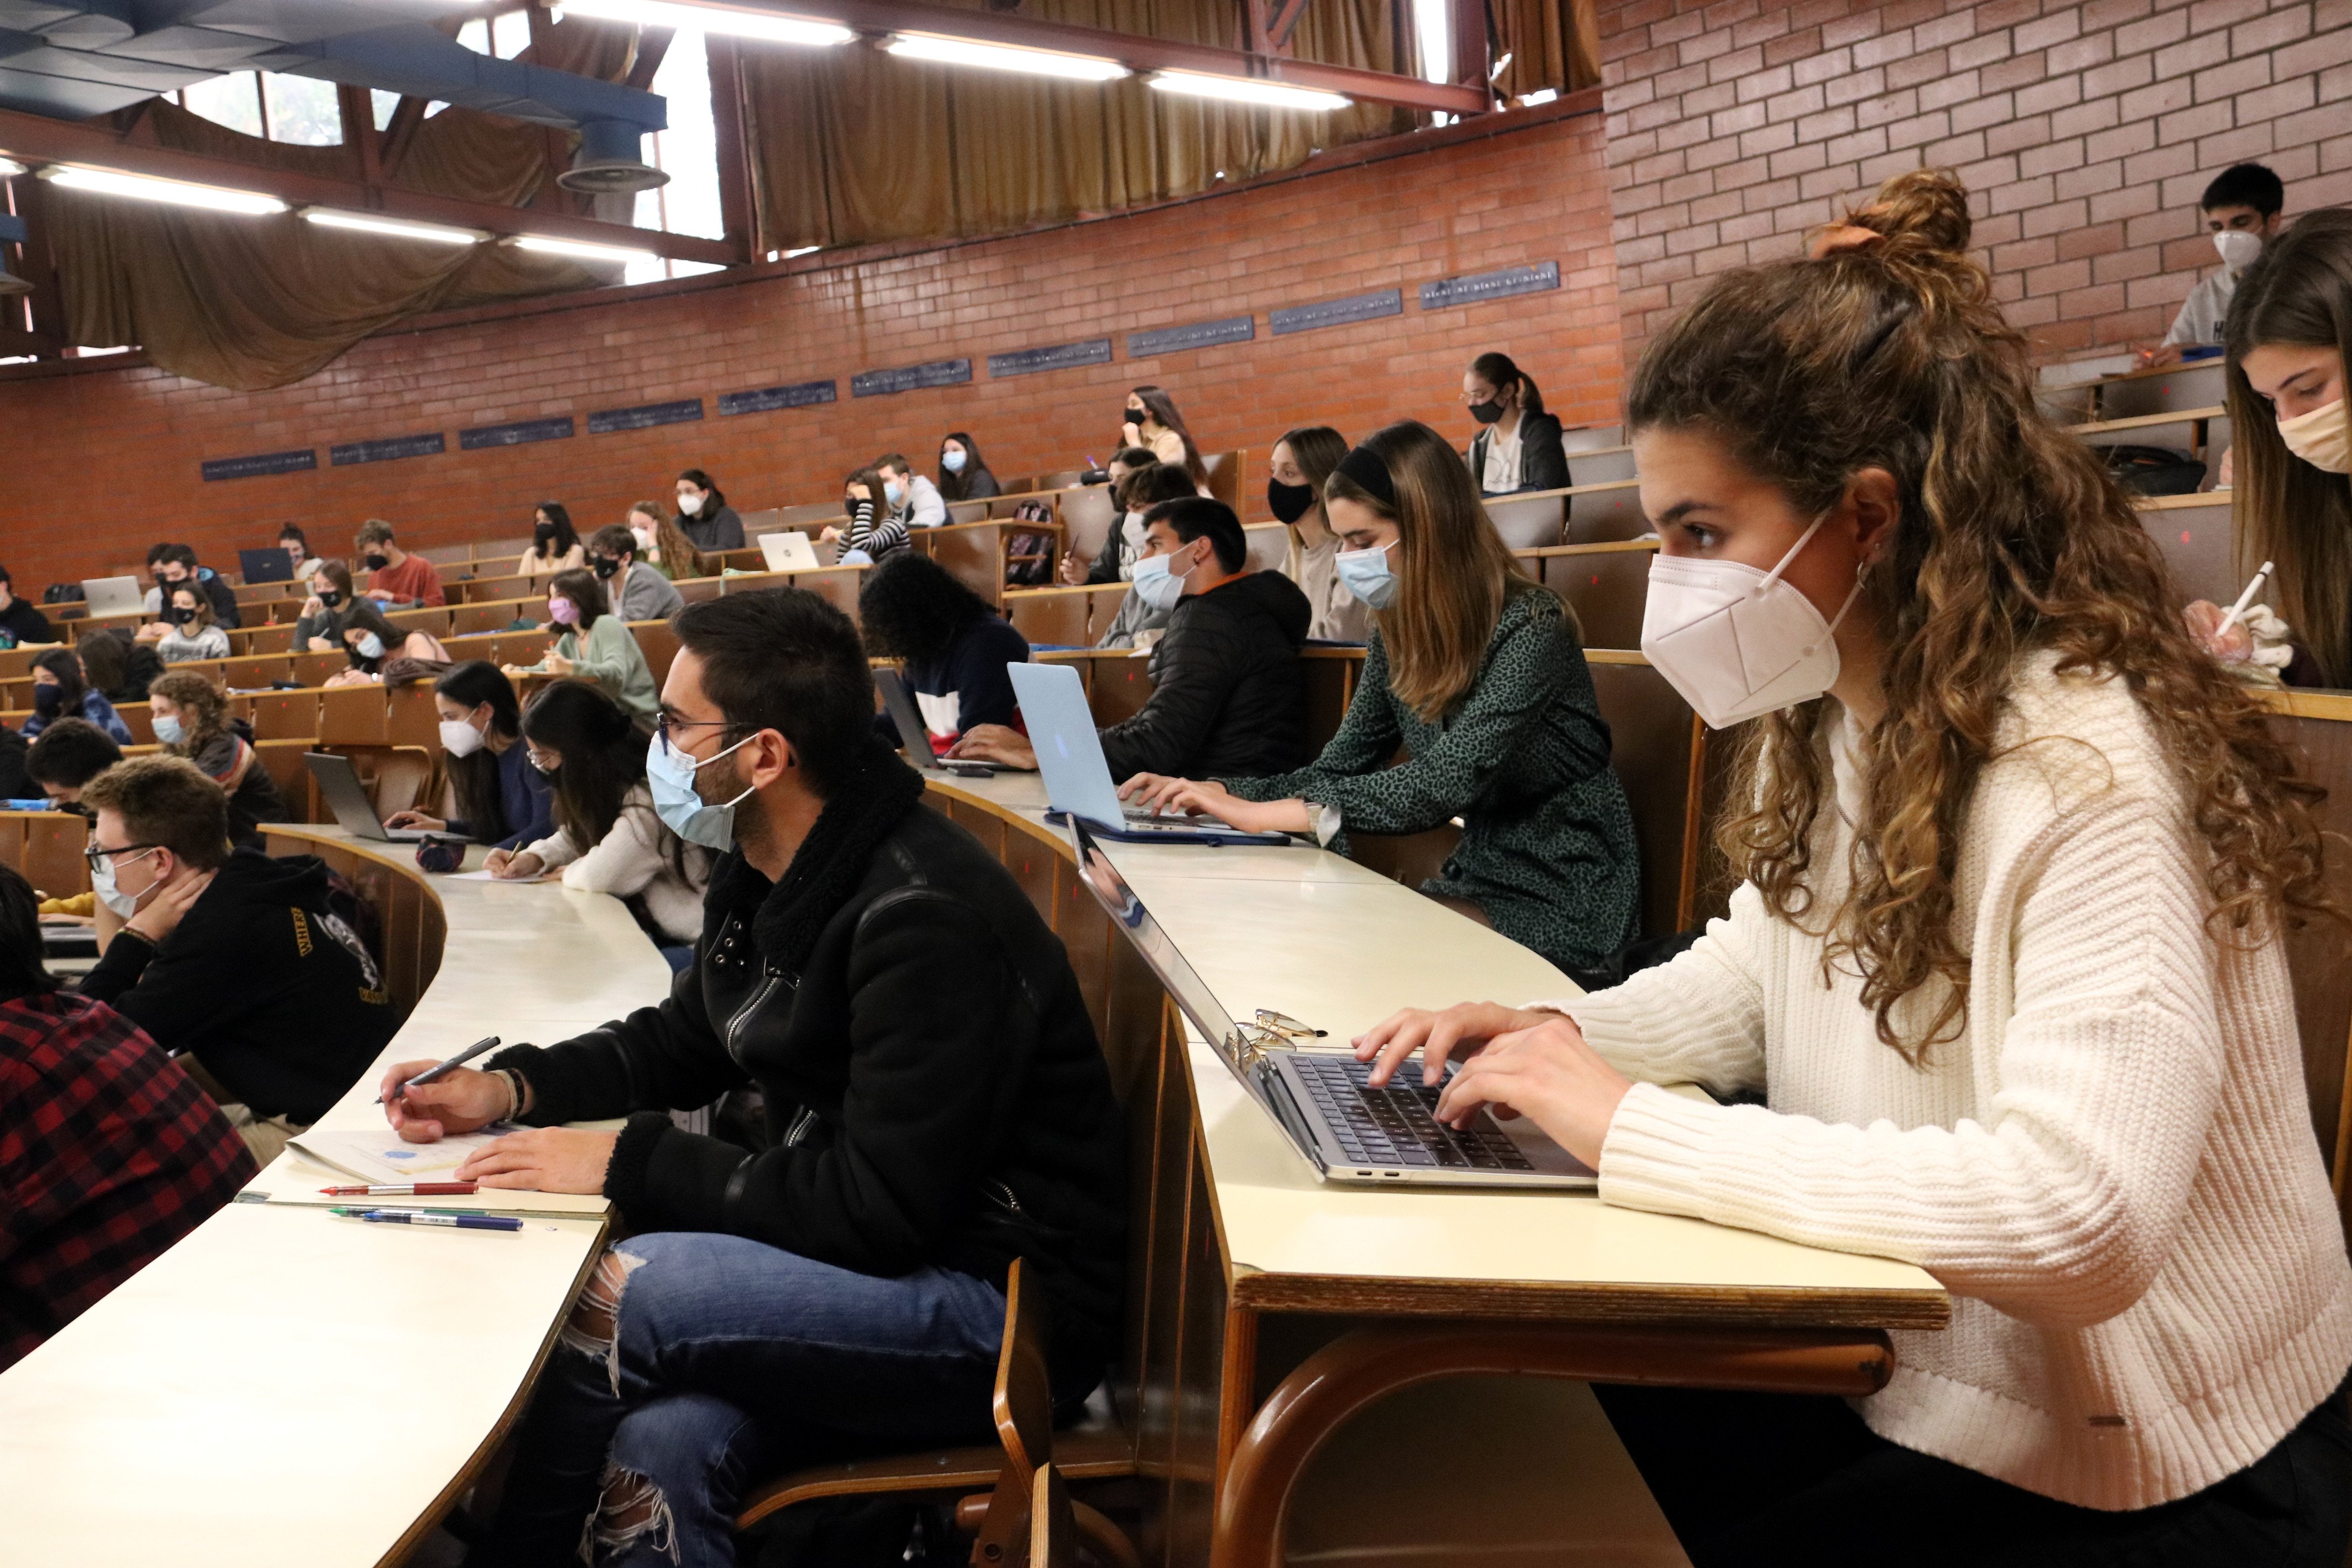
[935,1092]
[1229,695]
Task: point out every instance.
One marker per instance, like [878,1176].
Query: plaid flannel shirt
[108,1155]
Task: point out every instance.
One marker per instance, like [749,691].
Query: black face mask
[330,598]
[1486,412]
[179,615]
[48,699]
[604,565]
[168,583]
[544,531]
[1135,416]
[378,562]
[1289,502]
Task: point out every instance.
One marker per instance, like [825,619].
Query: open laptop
[1077,780]
[339,787]
[1346,1129]
[914,734]
[789,552]
[112,595]
[272,565]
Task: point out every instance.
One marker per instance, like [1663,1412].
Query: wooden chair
[2194,534]
[1658,747]
[1601,512]
[999,1482]
[395,777]
[1049,618]
[658,644]
[1053,1526]
[1225,470]
[1087,515]
[1606,584]
[282,759]
[1529,521]
[1591,438]
[1602,465]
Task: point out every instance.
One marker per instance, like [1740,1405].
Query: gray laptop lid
[900,704]
[340,787]
[111,595]
[1070,752]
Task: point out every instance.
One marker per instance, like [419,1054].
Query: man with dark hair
[394,576]
[68,754]
[1228,692]
[240,964]
[913,500]
[108,1154]
[937,1106]
[2240,208]
[21,620]
[638,590]
[175,564]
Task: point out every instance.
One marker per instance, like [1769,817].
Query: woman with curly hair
[193,720]
[954,644]
[2006,963]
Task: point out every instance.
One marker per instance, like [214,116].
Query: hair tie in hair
[1869,351]
[1364,466]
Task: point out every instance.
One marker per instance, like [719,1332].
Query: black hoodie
[263,983]
[1228,693]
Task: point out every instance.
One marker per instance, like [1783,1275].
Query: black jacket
[255,800]
[935,1092]
[24,621]
[1229,695]
[1543,465]
[263,982]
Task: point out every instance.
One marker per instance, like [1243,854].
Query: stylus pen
[2238,610]
[446,1221]
[429,1074]
[404,1190]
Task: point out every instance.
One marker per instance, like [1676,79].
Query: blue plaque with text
[390,449]
[1369,307]
[883,383]
[1193,335]
[520,434]
[260,463]
[1540,277]
[646,416]
[1061,356]
[767,399]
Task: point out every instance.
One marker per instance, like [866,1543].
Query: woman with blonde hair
[1474,669]
[193,720]
[2005,963]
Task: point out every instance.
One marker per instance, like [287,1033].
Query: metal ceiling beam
[28,138]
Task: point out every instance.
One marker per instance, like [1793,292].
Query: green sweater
[613,661]
[1548,847]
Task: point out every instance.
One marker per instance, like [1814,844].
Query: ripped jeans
[724,1361]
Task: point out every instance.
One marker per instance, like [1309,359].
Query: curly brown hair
[200,700]
[2012,540]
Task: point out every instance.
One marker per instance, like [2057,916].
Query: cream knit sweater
[2113,1169]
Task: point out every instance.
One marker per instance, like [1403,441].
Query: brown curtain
[251,303]
[1551,43]
[851,145]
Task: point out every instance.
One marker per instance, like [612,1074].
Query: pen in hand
[431,1073]
[2238,610]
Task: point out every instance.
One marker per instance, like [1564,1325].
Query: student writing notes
[2005,961]
[501,799]
[936,1105]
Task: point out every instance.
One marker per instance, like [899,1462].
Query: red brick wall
[108,462]
[2085,133]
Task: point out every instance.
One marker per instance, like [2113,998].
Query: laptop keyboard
[1395,1126]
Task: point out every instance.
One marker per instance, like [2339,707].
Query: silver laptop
[1077,779]
[1348,1130]
[789,552]
[339,787]
[914,736]
[113,595]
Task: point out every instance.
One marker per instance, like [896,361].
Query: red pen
[404,1190]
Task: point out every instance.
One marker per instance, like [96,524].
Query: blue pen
[447,1221]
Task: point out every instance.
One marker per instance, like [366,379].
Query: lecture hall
[1218,784]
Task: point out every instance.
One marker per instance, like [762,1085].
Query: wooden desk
[261,1394]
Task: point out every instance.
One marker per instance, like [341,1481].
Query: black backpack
[2155,470]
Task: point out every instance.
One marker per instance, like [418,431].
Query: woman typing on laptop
[2006,959]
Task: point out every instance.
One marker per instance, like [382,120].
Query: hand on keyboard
[1457,1032]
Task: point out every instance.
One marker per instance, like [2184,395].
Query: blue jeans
[728,1361]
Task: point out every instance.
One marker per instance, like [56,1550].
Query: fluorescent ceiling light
[765,26]
[1005,58]
[178,192]
[1246,89]
[398,228]
[580,248]
[1541,95]
[10,168]
[801,251]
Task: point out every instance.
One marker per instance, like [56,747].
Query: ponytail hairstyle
[1453,572]
[1498,370]
[1889,352]
[2297,293]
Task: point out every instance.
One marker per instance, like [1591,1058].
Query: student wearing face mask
[1114,562]
[59,690]
[1149,420]
[661,543]
[1475,670]
[193,720]
[596,644]
[642,592]
[1138,621]
[1301,463]
[1517,445]
[319,627]
[394,576]
[501,800]
[964,472]
[704,517]
[244,967]
[554,545]
[871,528]
[912,500]
[2240,211]
[371,643]
[297,545]
[2005,963]
[173,564]
[186,632]
[2290,334]
[1228,691]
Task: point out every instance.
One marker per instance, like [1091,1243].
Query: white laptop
[789,552]
[1077,779]
[1347,1130]
[113,595]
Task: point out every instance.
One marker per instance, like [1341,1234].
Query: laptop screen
[1062,732]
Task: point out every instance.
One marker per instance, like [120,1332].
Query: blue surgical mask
[952,461]
[168,730]
[371,646]
[890,488]
[1156,585]
[1367,575]
[670,773]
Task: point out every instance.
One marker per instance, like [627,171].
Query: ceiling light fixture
[579,249]
[10,168]
[1246,89]
[398,228]
[766,26]
[1004,57]
[175,193]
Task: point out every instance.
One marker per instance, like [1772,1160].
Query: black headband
[1364,467]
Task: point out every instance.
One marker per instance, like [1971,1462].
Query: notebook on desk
[1348,1130]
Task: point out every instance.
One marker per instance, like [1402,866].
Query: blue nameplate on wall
[1196,335]
[1061,356]
[882,383]
[390,449]
[767,399]
[646,416]
[1369,307]
[520,434]
[1473,287]
[259,464]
